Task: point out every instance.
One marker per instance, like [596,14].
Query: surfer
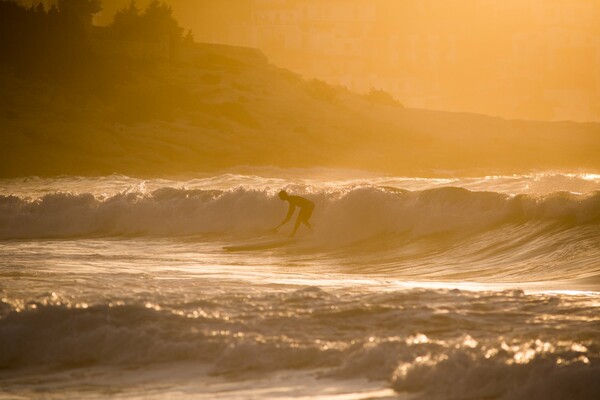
[306,209]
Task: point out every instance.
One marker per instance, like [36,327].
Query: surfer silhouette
[306,209]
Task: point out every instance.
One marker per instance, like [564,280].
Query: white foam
[346,215]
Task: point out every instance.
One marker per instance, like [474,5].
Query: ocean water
[466,288]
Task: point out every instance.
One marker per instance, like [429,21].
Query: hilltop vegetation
[155,103]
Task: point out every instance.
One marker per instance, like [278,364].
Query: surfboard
[263,244]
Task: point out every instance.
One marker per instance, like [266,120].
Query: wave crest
[348,215]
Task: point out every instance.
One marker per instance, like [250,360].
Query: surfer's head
[283,195]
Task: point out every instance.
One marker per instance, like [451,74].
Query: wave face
[436,232]
[347,215]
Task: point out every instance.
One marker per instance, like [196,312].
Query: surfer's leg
[308,225]
[305,215]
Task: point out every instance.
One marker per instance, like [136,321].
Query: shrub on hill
[378,96]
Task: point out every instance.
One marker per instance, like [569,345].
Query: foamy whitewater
[467,288]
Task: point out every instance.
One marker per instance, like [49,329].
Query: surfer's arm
[288,216]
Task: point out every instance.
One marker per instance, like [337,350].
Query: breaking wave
[344,216]
[501,355]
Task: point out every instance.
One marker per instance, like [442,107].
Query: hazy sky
[532,59]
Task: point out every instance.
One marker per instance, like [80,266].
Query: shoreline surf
[416,286]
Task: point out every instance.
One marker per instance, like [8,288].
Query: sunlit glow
[518,58]
[149,150]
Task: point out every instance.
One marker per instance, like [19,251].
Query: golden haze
[528,59]
[117,99]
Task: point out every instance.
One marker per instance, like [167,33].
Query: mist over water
[406,287]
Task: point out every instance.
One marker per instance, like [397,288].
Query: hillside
[219,107]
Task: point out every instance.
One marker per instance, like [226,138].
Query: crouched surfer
[306,209]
